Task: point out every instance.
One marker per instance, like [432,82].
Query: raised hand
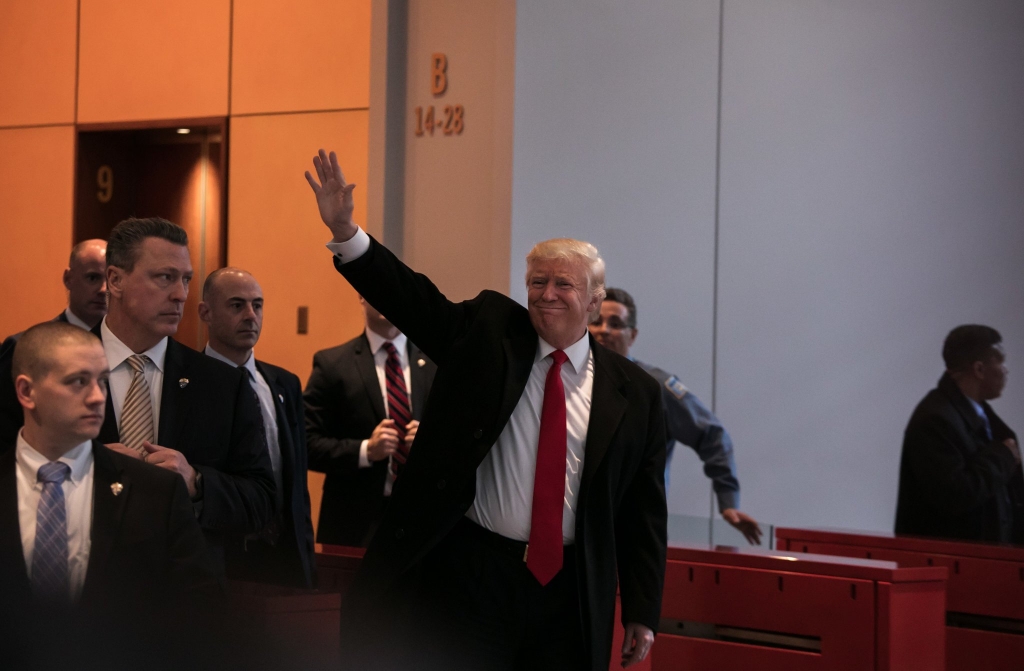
[746,525]
[333,196]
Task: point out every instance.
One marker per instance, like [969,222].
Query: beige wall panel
[280,62]
[458,186]
[37,62]
[36,186]
[149,59]
[275,232]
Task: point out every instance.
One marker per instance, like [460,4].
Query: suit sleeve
[189,570]
[301,466]
[691,423]
[239,497]
[326,453]
[11,417]
[952,481]
[409,300]
[641,530]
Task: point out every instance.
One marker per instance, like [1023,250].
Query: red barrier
[728,609]
[985,598]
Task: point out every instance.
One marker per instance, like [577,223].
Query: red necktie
[398,405]
[544,558]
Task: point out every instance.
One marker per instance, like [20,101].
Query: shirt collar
[117,352]
[74,320]
[377,341]
[249,365]
[577,352]
[79,458]
[978,408]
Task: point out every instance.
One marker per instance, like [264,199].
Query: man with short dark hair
[90,541]
[170,405]
[351,427]
[960,475]
[282,552]
[687,420]
[85,279]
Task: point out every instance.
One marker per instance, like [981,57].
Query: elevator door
[158,172]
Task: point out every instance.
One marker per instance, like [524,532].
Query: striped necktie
[50,580]
[137,412]
[398,405]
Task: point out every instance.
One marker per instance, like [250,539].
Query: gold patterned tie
[137,413]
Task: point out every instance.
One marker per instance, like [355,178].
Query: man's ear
[66,278]
[115,281]
[978,369]
[632,338]
[23,387]
[204,312]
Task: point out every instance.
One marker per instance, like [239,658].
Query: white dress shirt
[78,497]
[74,320]
[504,479]
[267,408]
[121,373]
[380,359]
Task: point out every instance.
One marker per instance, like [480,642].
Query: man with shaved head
[90,541]
[85,279]
[282,552]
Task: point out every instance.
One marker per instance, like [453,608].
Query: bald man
[282,553]
[85,279]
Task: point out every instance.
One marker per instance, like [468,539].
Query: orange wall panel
[150,59]
[275,232]
[299,56]
[37,62]
[36,209]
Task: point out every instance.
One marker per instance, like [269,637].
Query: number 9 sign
[105,180]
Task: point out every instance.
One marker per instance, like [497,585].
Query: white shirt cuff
[351,249]
[364,458]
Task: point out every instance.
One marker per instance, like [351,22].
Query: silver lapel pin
[183,382]
[116,488]
[421,363]
[280,397]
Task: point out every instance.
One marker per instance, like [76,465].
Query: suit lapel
[107,511]
[368,372]
[174,397]
[284,434]
[607,406]
[109,432]
[417,375]
[520,351]
[12,555]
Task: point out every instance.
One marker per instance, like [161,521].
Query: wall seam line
[319,111]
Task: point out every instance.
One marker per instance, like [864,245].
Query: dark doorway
[158,172]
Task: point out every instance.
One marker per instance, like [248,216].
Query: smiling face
[148,300]
[559,300]
[64,403]
[233,310]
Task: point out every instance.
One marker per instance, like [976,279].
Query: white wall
[871,198]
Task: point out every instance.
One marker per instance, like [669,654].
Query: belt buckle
[526,552]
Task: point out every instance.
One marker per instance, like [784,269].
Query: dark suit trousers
[479,607]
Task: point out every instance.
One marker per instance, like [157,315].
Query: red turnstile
[985,599]
[736,609]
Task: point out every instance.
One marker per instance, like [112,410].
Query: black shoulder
[147,476]
[342,351]
[282,375]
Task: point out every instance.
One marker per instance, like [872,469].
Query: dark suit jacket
[147,559]
[954,481]
[484,349]
[11,415]
[292,560]
[343,406]
[210,414]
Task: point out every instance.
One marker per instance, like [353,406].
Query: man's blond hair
[576,252]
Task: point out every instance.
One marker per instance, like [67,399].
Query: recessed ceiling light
[184,131]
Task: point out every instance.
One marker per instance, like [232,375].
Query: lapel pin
[280,397]
[421,363]
[116,488]
[183,382]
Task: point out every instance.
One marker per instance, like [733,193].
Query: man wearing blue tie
[90,541]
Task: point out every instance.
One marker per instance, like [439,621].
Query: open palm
[333,195]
